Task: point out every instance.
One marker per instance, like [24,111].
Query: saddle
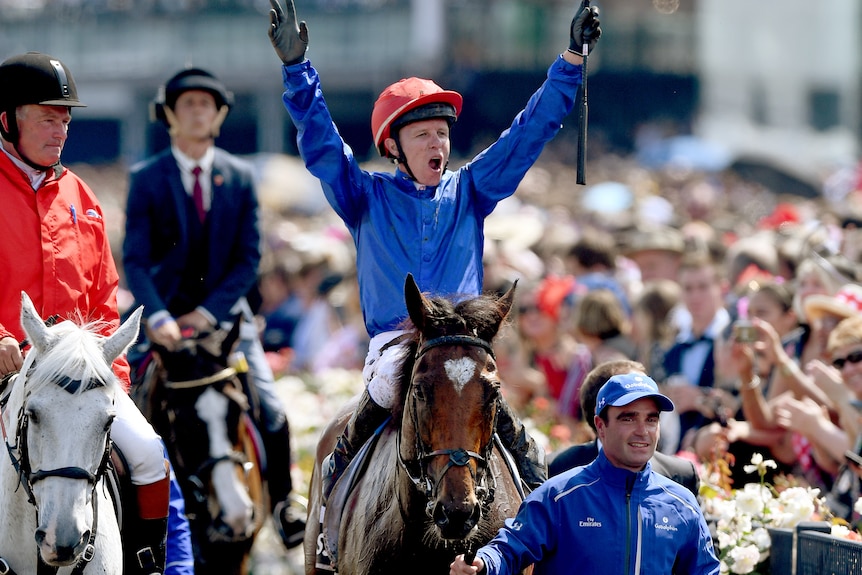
[337,502]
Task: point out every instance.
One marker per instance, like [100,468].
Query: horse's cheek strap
[154,498]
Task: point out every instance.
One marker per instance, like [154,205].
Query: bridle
[27,478]
[458,457]
[217,530]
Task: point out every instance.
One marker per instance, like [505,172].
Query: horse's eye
[419,393]
[32,415]
[109,423]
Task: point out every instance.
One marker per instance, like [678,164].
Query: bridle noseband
[458,457]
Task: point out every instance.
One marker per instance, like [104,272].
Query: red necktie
[198,194]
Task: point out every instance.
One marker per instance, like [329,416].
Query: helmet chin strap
[216,127]
[401,155]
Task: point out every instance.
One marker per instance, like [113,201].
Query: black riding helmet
[33,78]
[191,79]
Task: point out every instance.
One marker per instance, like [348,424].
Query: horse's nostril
[40,536]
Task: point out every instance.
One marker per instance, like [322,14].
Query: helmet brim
[446,96]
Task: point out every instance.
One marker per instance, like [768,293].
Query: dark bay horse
[437,483]
[196,402]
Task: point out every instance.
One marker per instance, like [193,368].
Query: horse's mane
[74,355]
[478,316]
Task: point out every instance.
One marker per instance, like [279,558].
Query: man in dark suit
[676,468]
[192,249]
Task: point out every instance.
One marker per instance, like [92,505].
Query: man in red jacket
[55,247]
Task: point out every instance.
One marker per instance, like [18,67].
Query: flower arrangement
[743,516]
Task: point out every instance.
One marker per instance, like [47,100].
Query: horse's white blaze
[460,371]
[236,505]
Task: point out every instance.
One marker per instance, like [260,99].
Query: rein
[226,373]
[458,457]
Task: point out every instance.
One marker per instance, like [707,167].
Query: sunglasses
[852,357]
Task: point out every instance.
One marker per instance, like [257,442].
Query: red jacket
[54,246]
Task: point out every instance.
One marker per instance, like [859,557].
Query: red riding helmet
[410,100]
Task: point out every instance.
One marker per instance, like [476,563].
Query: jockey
[423,219]
[56,249]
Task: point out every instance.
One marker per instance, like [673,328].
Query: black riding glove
[289,40]
[585,29]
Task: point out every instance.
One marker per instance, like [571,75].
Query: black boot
[367,417]
[529,458]
[289,522]
[149,548]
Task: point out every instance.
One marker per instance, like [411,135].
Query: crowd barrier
[810,549]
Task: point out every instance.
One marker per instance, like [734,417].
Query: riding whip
[582,117]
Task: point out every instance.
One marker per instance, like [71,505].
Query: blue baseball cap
[623,389]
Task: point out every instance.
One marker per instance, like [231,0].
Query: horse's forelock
[75,355]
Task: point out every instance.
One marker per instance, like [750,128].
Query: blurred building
[783,71]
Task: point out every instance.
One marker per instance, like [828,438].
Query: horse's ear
[506,300]
[34,326]
[416,305]
[123,338]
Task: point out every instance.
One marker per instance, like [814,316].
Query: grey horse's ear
[34,326]
[123,338]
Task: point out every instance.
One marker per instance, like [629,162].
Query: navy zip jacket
[602,520]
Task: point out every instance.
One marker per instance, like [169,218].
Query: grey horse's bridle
[27,477]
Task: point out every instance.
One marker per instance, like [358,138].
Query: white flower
[759,465]
[841,531]
[761,538]
[745,558]
[798,505]
[752,498]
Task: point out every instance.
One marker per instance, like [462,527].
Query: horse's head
[65,403]
[451,404]
[201,414]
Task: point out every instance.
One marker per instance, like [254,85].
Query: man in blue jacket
[423,220]
[615,515]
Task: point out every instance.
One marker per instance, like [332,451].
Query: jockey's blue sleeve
[179,557]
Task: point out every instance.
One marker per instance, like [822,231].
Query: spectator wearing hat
[656,251]
[613,514]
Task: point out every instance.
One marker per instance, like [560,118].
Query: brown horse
[437,482]
[197,404]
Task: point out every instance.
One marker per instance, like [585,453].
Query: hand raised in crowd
[768,344]
[803,416]
[289,39]
[11,358]
[830,381]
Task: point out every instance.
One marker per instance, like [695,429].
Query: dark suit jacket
[676,468]
[156,247]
